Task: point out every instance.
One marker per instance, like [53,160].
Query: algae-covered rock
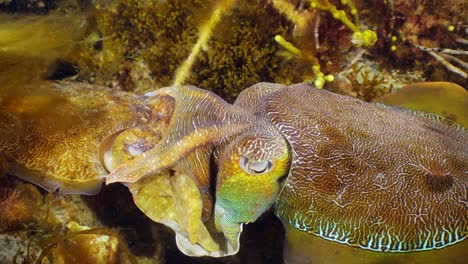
[443,98]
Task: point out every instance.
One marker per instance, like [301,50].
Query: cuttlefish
[351,181]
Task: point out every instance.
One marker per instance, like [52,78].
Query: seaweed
[30,47]
[369,84]
[160,33]
[363,81]
[425,29]
[25,259]
[239,52]
[243,52]
[18,205]
[79,250]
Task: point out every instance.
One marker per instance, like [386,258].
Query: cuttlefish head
[252,169]
[213,169]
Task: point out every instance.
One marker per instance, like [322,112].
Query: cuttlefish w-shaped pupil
[438,183]
[255,166]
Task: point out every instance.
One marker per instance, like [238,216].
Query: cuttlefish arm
[370,176]
[200,120]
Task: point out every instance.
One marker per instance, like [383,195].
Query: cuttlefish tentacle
[124,145]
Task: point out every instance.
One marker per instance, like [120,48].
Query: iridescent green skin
[204,125]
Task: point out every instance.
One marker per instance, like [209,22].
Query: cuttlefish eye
[252,166]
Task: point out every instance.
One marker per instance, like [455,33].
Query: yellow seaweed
[443,98]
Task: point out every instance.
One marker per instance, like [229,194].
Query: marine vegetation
[437,28]
[13,208]
[138,45]
[85,245]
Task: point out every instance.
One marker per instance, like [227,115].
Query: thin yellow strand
[204,36]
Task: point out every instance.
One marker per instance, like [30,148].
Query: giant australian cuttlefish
[362,179]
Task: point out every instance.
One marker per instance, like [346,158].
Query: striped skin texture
[371,176]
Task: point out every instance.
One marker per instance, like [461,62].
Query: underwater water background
[138,46]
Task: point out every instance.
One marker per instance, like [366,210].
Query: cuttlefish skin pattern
[52,138]
[371,176]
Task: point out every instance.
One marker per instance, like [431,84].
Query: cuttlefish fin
[442,98]
[200,119]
